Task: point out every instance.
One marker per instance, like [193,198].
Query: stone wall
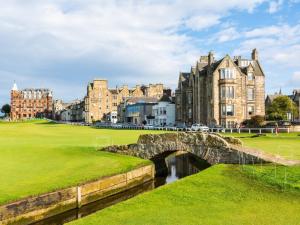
[211,147]
[33,209]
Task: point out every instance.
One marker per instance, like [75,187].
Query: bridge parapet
[213,148]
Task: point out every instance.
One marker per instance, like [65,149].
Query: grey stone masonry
[211,147]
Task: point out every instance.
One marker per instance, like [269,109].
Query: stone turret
[210,58]
[15,87]
[254,54]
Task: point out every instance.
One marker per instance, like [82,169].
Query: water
[169,169]
[178,165]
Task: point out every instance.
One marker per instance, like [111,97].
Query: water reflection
[177,166]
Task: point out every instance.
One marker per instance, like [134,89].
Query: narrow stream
[173,167]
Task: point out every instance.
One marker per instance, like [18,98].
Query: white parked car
[148,127]
[199,127]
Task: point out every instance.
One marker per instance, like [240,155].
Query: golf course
[38,156]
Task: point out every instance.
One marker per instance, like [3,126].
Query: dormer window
[250,76]
[227,73]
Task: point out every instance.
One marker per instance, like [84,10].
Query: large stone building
[101,102]
[221,92]
[30,103]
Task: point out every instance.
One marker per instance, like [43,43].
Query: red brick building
[30,103]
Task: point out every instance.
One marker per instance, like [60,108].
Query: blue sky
[62,45]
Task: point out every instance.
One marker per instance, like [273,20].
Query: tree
[280,107]
[255,121]
[6,109]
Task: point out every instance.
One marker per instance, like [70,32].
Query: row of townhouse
[105,104]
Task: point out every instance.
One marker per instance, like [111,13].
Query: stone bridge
[213,148]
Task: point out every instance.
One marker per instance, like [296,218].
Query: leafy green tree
[6,109]
[255,121]
[280,107]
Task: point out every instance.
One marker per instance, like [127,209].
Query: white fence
[218,130]
[251,130]
[223,130]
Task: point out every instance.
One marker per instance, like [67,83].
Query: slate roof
[114,91]
[165,98]
[135,100]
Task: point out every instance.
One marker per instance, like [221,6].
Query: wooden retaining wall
[33,209]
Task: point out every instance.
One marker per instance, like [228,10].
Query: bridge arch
[208,146]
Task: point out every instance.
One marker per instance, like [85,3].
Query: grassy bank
[283,144]
[222,194]
[38,157]
[281,177]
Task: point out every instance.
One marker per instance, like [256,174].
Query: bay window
[227,92]
[227,73]
[250,93]
[227,110]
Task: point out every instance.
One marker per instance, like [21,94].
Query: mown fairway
[283,144]
[222,194]
[38,157]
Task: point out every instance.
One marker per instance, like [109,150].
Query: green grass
[286,145]
[282,177]
[38,157]
[222,194]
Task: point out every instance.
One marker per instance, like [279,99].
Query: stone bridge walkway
[211,147]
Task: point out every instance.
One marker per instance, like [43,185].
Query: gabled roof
[272,97]
[165,98]
[257,68]
[114,91]
[184,78]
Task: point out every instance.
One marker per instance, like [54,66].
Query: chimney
[254,54]
[210,58]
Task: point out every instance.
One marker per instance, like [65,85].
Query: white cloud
[295,81]
[274,6]
[278,44]
[138,40]
[202,22]
[227,34]
[279,52]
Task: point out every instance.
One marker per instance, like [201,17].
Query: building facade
[296,98]
[163,112]
[102,103]
[58,107]
[221,92]
[138,110]
[30,103]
